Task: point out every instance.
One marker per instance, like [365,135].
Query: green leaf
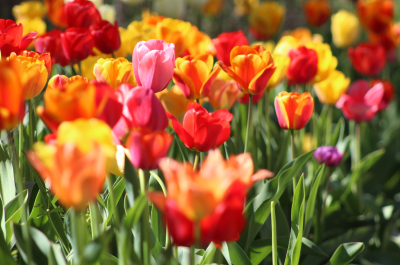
[4,250]
[7,183]
[230,147]
[132,186]
[259,209]
[311,199]
[346,253]
[234,254]
[134,214]
[182,148]
[55,257]
[108,259]
[157,224]
[13,213]
[338,132]
[119,188]
[208,255]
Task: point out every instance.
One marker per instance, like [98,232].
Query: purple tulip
[328,155]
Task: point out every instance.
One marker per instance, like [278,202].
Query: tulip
[77,43]
[223,94]
[326,61]
[245,98]
[174,102]
[56,12]
[114,71]
[69,100]
[142,110]
[265,20]
[361,102]
[267,45]
[367,58]
[282,63]
[332,88]
[286,44]
[303,65]
[12,105]
[376,15]
[51,42]
[12,39]
[225,42]
[345,29]
[389,92]
[29,9]
[213,7]
[107,12]
[153,64]
[302,35]
[106,36]
[317,12]
[88,65]
[76,178]
[45,57]
[174,31]
[81,14]
[147,148]
[198,42]
[202,131]
[243,7]
[328,155]
[35,72]
[252,67]
[174,9]
[389,39]
[217,204]
[293,110]
[32,25]
[194,75]
[59,81]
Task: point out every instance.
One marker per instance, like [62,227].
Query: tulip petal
[233,75]
[374,96]
[186,138]
[262,174]
[260,81]
[205,89]
[158,199]
[222,115]
[27,40]
[185,84]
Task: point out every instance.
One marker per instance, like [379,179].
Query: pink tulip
[361,102]
[142,111]
[153,64]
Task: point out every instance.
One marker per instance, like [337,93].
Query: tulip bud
[77,43]
[266,19]
[12,39]
[303,65]
[56,12]
[225,42]
[81,13]
[106,36]
[345,29]
[114,71]
[331,89]
[51,42]
[317,12]
[328,155]
[376,15]
[367,58]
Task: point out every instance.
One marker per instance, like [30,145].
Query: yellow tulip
[326,61]
[198,42]
[114,71]
[332,88]
[174,31]
[267,45]
[88,64]
[345,29]
[33,24]
[285,44]
[29,9]
[282,63]
[243,7]
[265,19]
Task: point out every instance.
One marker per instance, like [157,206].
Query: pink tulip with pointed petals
[153,64]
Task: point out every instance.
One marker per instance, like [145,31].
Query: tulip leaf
[346,253]
[55,257]
[182,148]
[208,255]
[13,213]
[45,198]
[132,186]
[4,250]
[157,224]
[119,188]
[7,183]
[234,254]
[311,199]
[338,132]
[230,147]
[296,234]
[259,209]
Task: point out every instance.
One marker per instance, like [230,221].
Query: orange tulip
[376,15]
[252,67]
[317,12]
[55,12]
[194,75]
[12,106]
[174,102]
[265,19]
[76,178]
[293,110]
[58,81]
[174,31]
[223,92]
[198,42]
[213,7]
[243,7]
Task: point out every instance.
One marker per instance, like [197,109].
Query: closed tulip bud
[345,29]
[69,169]
[35,72]
[326,61]
[174,31]
[225,42]
[252,67]
[212,130]
[282,63]
[198,42]
[389,92]
[147,148]
[194,75]
[153,64]
[81,13]
[216,207]
[51,42]
[243,7]
[142,110]
[332,88]
[361,102]
[29,9]
[367,58]
[212,7]
[376,15]
[303,65]
[223,94]
[77,43]
[317,12]
[293,110]
[328,155]
[12,105]
[56,12]
[12,37]
[174,102]
[106,36]
[266,19]
[114,71]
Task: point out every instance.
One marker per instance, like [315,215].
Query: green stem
[192,255]
[268,129]
[249,118]
[78,235]
[357,164]
[113,55]
[196,160]
[80,67]
[145,222]
[274,237]
[20,148]
[329,126]
[293,156]
[327,190]
[32,123]
[113,202]
[58,235]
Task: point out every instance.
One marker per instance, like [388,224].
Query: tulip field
[193,132]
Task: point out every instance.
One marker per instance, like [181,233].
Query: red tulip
[317,12]
[147,148]
[388,92]
[376,15]
[81,13]
[77,43]
[106,36]
[11,39]
[245,98]
[51,42]
[361,102]
[201,130]
[142,110]
[368,58]
[303,65]
[225,42]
